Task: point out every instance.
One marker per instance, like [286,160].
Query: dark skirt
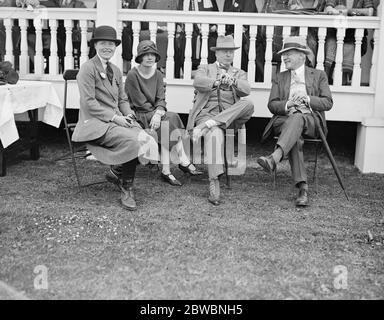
[171,118]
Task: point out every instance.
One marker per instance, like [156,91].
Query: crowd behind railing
[351,39]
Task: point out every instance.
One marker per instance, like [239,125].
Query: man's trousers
[290,130]
[231,118]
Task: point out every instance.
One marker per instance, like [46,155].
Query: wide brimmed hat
[225,43]
[106,33]
[295,43]
[144,47]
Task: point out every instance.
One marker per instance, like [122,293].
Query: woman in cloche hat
[145,89]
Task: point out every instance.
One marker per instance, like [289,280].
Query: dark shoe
[267,163]
[214,192]
[302,199]
[113,177]
[192,172]
[171,179]
[128,197]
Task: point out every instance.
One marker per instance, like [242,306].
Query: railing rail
[42,18]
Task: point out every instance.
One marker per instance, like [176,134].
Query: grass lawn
[256,245]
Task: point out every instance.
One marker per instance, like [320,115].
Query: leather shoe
[128,198]
[171,180]
[214,191]
[267,163]
[187,169]
[302,199]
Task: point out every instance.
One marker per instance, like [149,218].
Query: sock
[277,155]
[302,185]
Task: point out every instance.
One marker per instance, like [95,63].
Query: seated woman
[145,89]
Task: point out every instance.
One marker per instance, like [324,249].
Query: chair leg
[72,151]
[228,177]
[274,174]
[3,166]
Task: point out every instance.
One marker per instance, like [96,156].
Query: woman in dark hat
[145,89]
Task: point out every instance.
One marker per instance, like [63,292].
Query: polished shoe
[302,199]
[128,197]
[187,169]
[214,191]
[113,177]
[171,180]
[267,163]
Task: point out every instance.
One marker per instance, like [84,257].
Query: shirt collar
[300,70]
[103,61]
[219,66]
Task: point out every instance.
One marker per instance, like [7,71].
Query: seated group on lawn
[123,124]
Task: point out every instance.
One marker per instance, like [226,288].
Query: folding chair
[79,151]
[317,143]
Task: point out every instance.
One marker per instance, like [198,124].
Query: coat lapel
[287,84]
[111,88]
[309,81]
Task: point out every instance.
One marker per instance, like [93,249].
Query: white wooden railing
[269,21]
[49,17]
[42,19]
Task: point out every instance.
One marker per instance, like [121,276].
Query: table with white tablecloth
[26,96]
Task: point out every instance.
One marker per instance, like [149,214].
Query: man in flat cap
[295,94]
[106,122]
[217,110]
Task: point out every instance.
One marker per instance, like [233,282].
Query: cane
[319,129]
[225,139]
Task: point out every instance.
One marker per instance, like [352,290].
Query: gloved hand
[155,121]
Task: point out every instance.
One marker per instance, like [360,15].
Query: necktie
[109,72]
[298,86]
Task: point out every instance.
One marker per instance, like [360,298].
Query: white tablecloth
[24,96]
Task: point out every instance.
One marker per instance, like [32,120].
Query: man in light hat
[215,110]
[106,122]
[294,94]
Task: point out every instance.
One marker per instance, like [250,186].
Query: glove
[155,121]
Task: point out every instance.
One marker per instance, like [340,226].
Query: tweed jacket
[320,95]
[205,77]
[99,100]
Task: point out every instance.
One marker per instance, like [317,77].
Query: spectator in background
[127,36]
[61,33]
[162,35]
[46,37]
[195,5]
[241,6]
[313,7]
[289,7]
[341,7]
[15,35]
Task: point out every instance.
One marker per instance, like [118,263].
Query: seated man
[106,121]
[295,93]
[214,109]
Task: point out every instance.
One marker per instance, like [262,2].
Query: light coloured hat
[295,43]
[225,43]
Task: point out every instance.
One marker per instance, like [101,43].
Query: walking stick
[329,153]
[225,140]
